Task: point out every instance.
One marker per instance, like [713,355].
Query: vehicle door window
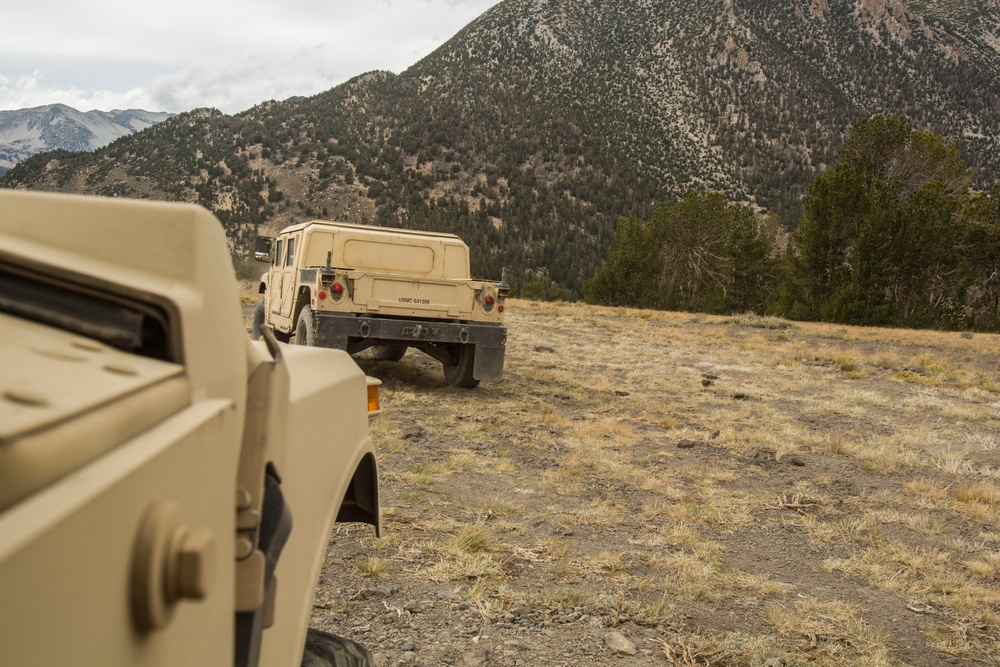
[291,252]
[277,253]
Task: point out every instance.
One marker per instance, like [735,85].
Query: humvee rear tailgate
[404,296]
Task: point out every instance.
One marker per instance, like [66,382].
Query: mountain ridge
[25,132]
[540,123]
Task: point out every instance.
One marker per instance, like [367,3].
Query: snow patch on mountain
[26,132]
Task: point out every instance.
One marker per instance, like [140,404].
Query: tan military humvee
[351,287]
[167,486]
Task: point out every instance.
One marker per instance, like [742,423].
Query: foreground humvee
[167,487]
[353,287]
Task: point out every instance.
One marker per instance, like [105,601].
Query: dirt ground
[671,489]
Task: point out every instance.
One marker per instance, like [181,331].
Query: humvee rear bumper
[354,334]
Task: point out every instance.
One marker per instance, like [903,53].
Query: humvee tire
[327,650]
[304,334]
[388,352]
[459,372]
[258,320]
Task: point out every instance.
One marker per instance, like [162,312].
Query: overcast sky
[228,54]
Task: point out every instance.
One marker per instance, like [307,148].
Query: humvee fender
[159,472]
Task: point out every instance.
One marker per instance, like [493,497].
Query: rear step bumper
[332,329]
[354,334]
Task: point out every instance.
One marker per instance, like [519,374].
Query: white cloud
[111,54]
[31,91]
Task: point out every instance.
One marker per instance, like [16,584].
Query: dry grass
[831,633]
[373,567]
[803,482]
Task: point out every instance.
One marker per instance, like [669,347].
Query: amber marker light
[374,400]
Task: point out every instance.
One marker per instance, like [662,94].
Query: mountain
[538,125]
[26,132]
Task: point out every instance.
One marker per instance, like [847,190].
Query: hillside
[541,123]
[25,132]
[656,488]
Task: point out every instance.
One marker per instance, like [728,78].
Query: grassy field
[676,489]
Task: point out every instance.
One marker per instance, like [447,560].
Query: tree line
[892,235]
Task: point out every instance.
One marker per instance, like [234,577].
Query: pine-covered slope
[533,129]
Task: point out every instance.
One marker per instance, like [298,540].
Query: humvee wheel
[304,327]
[326,650]
[459,373]
[388,352]
[258,320]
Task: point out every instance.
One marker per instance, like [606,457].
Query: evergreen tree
[882,240]
[628,276]
[981,262]
[700,254]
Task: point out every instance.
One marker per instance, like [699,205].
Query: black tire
[304,334]
[326,650]
[388,352]
[459,373]
[258,320]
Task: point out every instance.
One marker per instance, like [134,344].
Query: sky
[180,55]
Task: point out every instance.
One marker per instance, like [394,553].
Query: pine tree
[701,254]
[882,240]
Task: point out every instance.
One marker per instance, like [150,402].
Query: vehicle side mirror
[262,248]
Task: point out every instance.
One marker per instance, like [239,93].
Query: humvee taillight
[374,399]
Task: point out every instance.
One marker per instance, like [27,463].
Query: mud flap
[489,363]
